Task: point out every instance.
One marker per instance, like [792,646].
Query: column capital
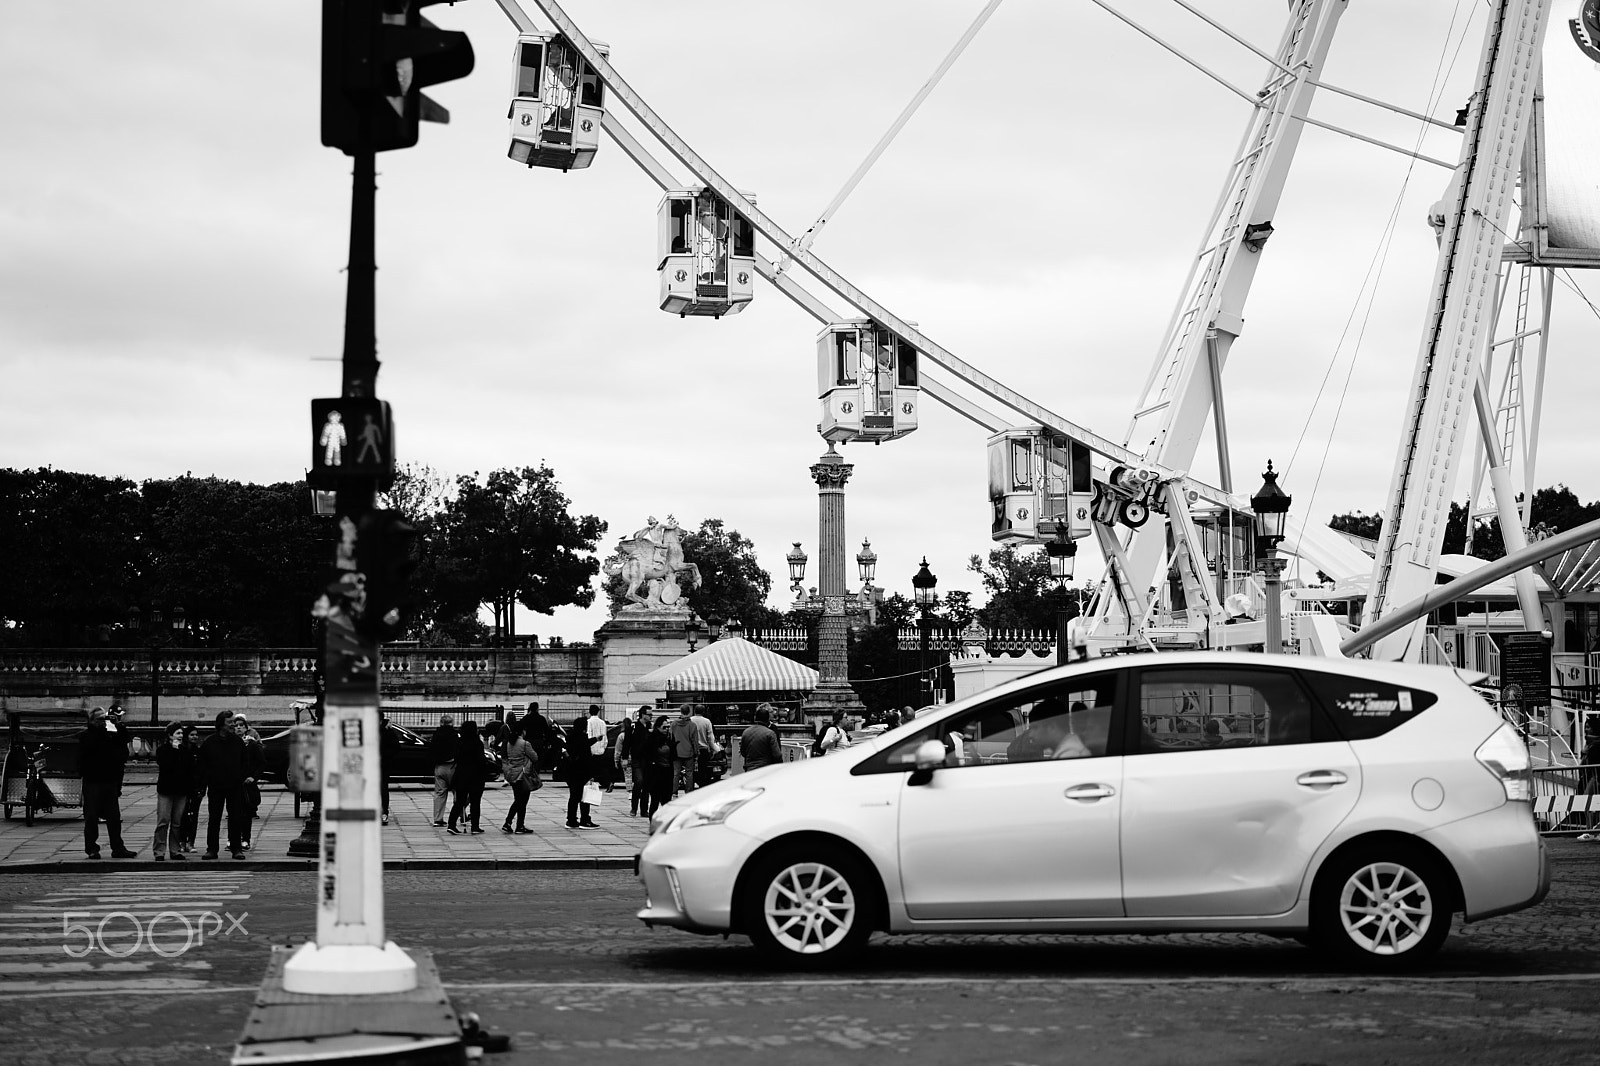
[831,471]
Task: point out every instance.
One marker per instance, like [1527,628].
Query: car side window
[1066,720]
[1364,709]
[1196,707]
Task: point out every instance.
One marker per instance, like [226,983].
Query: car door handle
[1321,779]
[1089,792]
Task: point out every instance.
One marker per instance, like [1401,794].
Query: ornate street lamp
[797,569]
[714,627]
[1063,555]
[1271,506]
[923,584]
[691,629]
[735,628]
[867,561]
[156,636]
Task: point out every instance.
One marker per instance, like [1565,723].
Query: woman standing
[197,788]
[577,772]
[661,755]
[472,773]
[521,769]
[174,779]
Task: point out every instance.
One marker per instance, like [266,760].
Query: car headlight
[711,811]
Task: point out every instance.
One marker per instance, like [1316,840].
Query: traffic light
[388,552]
[377,57]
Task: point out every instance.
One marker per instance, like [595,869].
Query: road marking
[1348,982]
[133,930]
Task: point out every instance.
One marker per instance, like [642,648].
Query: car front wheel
[808,908]
[1382,908]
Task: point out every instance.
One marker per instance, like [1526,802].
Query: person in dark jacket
[255,762]
[638,745]
[577,772]
[222,767]
[442,746]
[197,788]
[472,773]
[662,759]
[102,752]
[174,779]
[758,744]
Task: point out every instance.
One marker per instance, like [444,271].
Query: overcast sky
[172,236]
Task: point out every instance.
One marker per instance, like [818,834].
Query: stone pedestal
[635,642]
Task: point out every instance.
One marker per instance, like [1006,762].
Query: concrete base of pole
[349,969]
[415,1027]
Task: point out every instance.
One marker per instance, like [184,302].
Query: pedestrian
[835,736]
[222,766]
[639,749]
[537,730]
[255,761]
[595,732]
[442,745]
[619,752]
[521,765]
[471,774]
[174,780]
[663,764]
[102,753]
[197,787]
[577,771]
[388,752]
[684,749]
[758,744]
[705,748]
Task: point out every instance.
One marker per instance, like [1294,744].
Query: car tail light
[1506,757]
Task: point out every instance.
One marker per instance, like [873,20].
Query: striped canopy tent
[731,664]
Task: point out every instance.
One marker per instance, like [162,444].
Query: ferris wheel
[1053,481]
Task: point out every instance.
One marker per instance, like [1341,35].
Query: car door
[1022,820]
[1232,781]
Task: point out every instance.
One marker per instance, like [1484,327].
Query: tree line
[91,561]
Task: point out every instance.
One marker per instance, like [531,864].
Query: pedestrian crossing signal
[351,437]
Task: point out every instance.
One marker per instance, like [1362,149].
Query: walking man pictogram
[333,438]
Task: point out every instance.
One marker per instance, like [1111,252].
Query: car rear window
[1363,709]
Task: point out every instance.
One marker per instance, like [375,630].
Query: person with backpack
[833,737]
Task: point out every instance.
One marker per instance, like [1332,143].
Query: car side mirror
[928,757]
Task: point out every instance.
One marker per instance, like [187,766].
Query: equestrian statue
[653,557]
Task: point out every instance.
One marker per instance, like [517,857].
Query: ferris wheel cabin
[1040,486]
[557,102]
[708,254]
[867,381]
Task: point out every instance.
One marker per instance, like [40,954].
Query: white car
[1355,805]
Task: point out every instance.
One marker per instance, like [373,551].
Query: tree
[70,547]
[1022,594]
[1358,523]
[243,561]
[733,584]
[510,539]
[419,493]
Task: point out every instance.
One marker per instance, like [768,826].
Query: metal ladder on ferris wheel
[1214,266]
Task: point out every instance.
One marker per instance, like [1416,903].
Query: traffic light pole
[351,953]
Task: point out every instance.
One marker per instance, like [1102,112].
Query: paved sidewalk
[410,840]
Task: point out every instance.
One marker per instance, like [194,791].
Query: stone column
[830,472]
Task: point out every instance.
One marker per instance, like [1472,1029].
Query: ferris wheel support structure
[1447,377]
[1184,387]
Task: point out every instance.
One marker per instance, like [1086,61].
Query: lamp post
[867,566]
[1063,555]
[923,583]
[156,636]
[691,629]
[1271,507]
